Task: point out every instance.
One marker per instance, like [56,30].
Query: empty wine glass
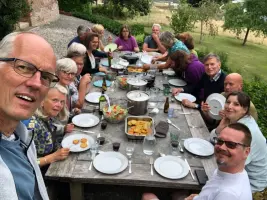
[130,150]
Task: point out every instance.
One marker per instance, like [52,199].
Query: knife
[180,148]
[84,131]
[193,177]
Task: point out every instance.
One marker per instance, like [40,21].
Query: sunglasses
[229,144]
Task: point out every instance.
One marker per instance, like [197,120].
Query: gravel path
[60,32]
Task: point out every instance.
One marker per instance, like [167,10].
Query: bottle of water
[149,144]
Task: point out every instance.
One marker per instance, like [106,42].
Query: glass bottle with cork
[166,105]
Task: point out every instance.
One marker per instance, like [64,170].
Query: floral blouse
[45,138]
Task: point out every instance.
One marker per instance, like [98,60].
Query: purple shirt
[193,74]
[128,45]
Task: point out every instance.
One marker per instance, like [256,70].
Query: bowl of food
[122,81]
[116,114]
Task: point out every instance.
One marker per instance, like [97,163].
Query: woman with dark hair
[91,43]
[237,110]
[189,68]
[125,41]
[188,40]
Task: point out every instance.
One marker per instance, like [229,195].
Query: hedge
[256,89]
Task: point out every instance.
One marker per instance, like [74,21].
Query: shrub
[11,12]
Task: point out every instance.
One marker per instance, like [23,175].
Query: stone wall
[43,11]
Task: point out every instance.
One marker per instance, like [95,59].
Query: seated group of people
[239,142]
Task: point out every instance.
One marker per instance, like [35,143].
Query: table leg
[76,191]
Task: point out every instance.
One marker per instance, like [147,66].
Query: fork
[151,161]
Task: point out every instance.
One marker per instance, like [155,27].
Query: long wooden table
[75,169]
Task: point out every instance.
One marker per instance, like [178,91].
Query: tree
[206,12]
[134,7]
[11,12]
[183,18]
[246,17]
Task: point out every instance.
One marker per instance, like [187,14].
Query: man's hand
[191,197]
[188,103]
[155,36]
[205,107]
[176,91]
[69,128]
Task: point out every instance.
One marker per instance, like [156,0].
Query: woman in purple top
[189,68]
[126,42]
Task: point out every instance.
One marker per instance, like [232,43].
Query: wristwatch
[197,106]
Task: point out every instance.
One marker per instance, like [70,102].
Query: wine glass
[130,150]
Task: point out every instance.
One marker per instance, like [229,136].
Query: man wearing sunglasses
[27,70]
[230,181]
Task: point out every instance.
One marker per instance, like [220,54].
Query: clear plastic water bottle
[149,144]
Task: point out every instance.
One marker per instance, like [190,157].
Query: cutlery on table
[151,161]
[130,166]
[190,170]
[181,149]
[84,131]
[170,122]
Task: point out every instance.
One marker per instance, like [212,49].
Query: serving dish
[138,135]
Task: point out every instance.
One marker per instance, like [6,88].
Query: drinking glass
[116,146]
[174,142]
[149,144]
[130,150]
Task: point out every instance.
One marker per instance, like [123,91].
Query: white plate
[111,46]
[169,72]
[67,142]
[216,103]
[177,82]
[199,147]
[182,96]
[93,97]
[171,167]
[153,54]
[117,66]
[85,120]
[110,162]
[146,59]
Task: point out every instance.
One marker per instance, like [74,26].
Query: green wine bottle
[109,58]
[102,103]
[104,85]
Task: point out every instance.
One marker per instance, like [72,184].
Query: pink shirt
[128,45]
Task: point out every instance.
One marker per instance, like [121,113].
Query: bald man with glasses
[27,71]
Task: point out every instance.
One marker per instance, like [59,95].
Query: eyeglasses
[67,74]
[229,144]
[28,70]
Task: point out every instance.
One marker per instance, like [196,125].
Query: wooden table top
[76,167]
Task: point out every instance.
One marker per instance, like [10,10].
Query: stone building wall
[43,11]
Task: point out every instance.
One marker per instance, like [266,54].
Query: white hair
[158,25]
[7,44]
[63,115]
[76,49]
[66,65]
